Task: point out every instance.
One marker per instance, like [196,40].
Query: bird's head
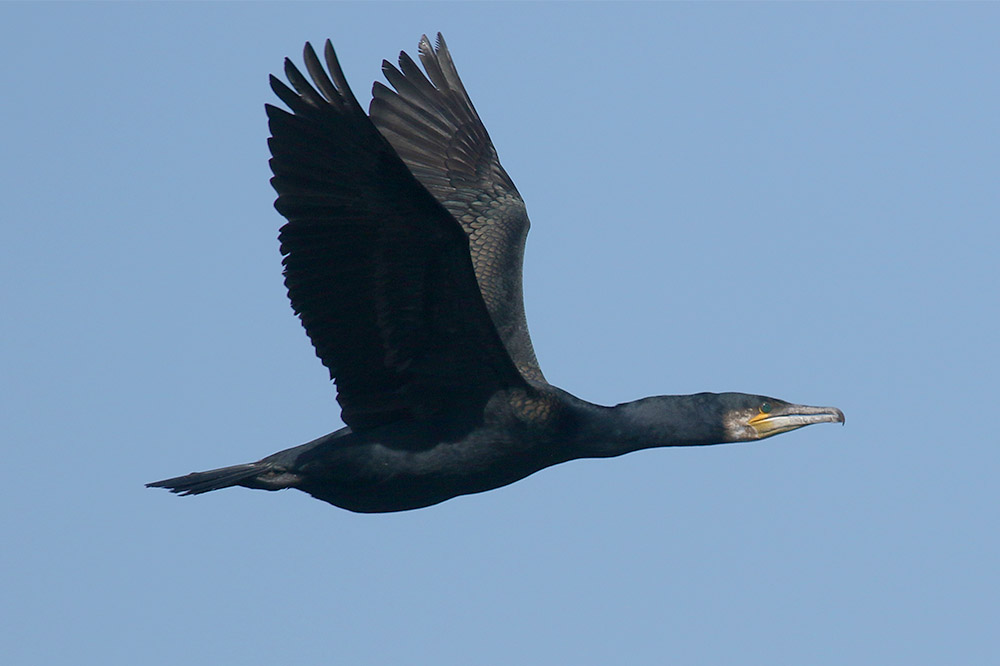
[750,417]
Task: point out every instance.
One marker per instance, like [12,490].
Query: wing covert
[434,127]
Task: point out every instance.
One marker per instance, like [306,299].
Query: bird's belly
[376,478]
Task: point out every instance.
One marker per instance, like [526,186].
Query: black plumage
[402,253]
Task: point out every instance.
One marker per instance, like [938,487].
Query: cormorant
[402,257]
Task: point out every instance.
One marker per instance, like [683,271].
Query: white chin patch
[736,428]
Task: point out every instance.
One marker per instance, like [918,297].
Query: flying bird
[402,257]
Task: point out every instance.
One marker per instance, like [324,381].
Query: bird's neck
[674,420]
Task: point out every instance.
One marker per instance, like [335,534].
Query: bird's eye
[765,408]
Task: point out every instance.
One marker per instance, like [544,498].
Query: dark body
[415,464]
[403,254]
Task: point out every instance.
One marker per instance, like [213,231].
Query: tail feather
[214,479]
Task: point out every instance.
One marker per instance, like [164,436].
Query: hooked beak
[791,417]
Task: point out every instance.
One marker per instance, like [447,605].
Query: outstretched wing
[434,127]
[377,270]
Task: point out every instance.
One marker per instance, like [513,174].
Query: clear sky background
[798,200]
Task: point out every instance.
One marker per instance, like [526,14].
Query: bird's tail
[214,479]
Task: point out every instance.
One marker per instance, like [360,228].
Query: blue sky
[798,200]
